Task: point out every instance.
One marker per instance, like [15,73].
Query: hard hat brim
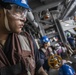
[19,2]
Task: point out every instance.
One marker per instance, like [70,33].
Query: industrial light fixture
[46,15]
[30,17]
[66,24]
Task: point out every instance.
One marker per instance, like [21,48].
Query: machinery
[59,11]
[55,62]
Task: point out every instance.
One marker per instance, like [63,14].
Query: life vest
[47,52]
[15,57]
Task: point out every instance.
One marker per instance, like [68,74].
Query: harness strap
[11,70]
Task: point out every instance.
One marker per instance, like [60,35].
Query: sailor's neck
[3,38]
[45,47]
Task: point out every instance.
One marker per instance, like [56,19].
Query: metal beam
[38,6]
[69,8]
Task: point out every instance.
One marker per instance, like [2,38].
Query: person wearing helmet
[17,53]
[66,70]
[71,40]
[45,51]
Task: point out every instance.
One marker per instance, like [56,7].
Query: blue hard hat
[66,70]
[22,3]
[44,39]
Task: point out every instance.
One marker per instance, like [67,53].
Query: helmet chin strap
[6,21]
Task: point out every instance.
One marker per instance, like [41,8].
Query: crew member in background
[45,51]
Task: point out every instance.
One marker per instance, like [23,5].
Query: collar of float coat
[6,21]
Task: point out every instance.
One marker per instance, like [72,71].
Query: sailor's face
[47,44]
[16,19]
[15,25]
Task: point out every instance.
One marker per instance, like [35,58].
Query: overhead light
[30,17]
[46,15]
[66,24]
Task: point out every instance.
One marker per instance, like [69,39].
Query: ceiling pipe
[72,7]
[31,19]
[67,9]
